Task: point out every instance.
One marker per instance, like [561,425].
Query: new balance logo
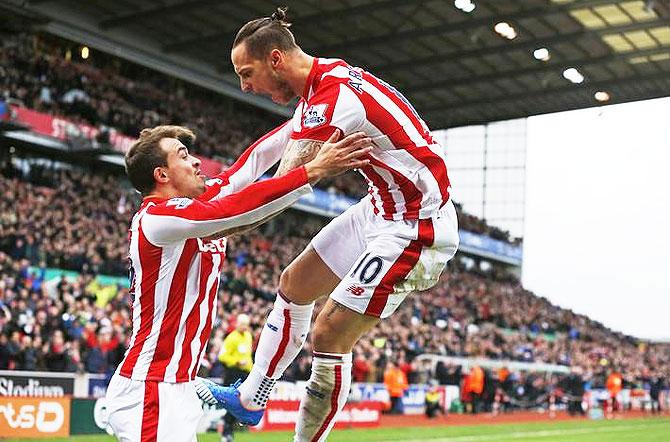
[356,290]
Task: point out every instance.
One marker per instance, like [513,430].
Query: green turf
[637,430]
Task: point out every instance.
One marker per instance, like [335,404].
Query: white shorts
[139,411]
[380,262]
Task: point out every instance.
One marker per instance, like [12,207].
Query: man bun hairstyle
[280,15]
[265,34]
[146,154]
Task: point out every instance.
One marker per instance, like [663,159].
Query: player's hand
[336,157]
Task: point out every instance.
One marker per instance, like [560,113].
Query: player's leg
[336,331]
[313,274]
[351,311]
[401,257]
[287,325]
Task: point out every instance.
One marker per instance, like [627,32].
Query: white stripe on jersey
[349,107]
[204,310]
[404,162]
[169,259]
[374,193]
[337,72]
[396,112]
[395,192]
[190,297]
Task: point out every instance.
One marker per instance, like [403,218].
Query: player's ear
[160,175]
[276,58]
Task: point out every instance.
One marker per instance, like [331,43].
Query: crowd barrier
[45,404]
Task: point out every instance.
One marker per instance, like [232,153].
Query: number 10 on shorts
[367,269]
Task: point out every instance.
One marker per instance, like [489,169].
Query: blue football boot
[228,398]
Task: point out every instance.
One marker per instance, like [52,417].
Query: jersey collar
[152,199]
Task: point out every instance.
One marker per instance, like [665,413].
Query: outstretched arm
[299,152]
[182,218]
[251,165]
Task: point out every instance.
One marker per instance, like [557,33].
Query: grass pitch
[637,430]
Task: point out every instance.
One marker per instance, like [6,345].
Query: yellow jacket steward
[236,351]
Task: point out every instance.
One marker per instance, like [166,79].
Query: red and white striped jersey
[176,258]
[407,176]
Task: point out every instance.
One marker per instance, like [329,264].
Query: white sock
[327,392]
[283,336]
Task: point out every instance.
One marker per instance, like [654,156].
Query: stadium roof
[452,64]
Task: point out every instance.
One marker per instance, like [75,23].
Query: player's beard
[284,94]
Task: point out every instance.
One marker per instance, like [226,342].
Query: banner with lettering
[36,383]
[34,417]
[64,129]
[282,416]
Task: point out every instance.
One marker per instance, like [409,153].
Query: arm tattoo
[297,153]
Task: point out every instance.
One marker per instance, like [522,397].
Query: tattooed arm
[353,148]
[297,153]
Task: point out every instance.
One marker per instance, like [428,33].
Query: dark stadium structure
[452,64]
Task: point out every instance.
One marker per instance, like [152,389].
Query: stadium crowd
[43,74]
[100,93]
[34,72]
[72,219]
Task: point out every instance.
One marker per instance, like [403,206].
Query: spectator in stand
[655,393]
[360,367]
[476,387]
[573,386]
[395,381]
[58,357]
[5,355]
[614,386]
[27,358]
[101,356]
[4,112]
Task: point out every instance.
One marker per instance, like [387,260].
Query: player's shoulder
[213,188]
[170,206]
[333,72]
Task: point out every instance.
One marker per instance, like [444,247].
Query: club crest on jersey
[179,203]
[314,116]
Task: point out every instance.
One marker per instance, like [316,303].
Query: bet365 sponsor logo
[212,246]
